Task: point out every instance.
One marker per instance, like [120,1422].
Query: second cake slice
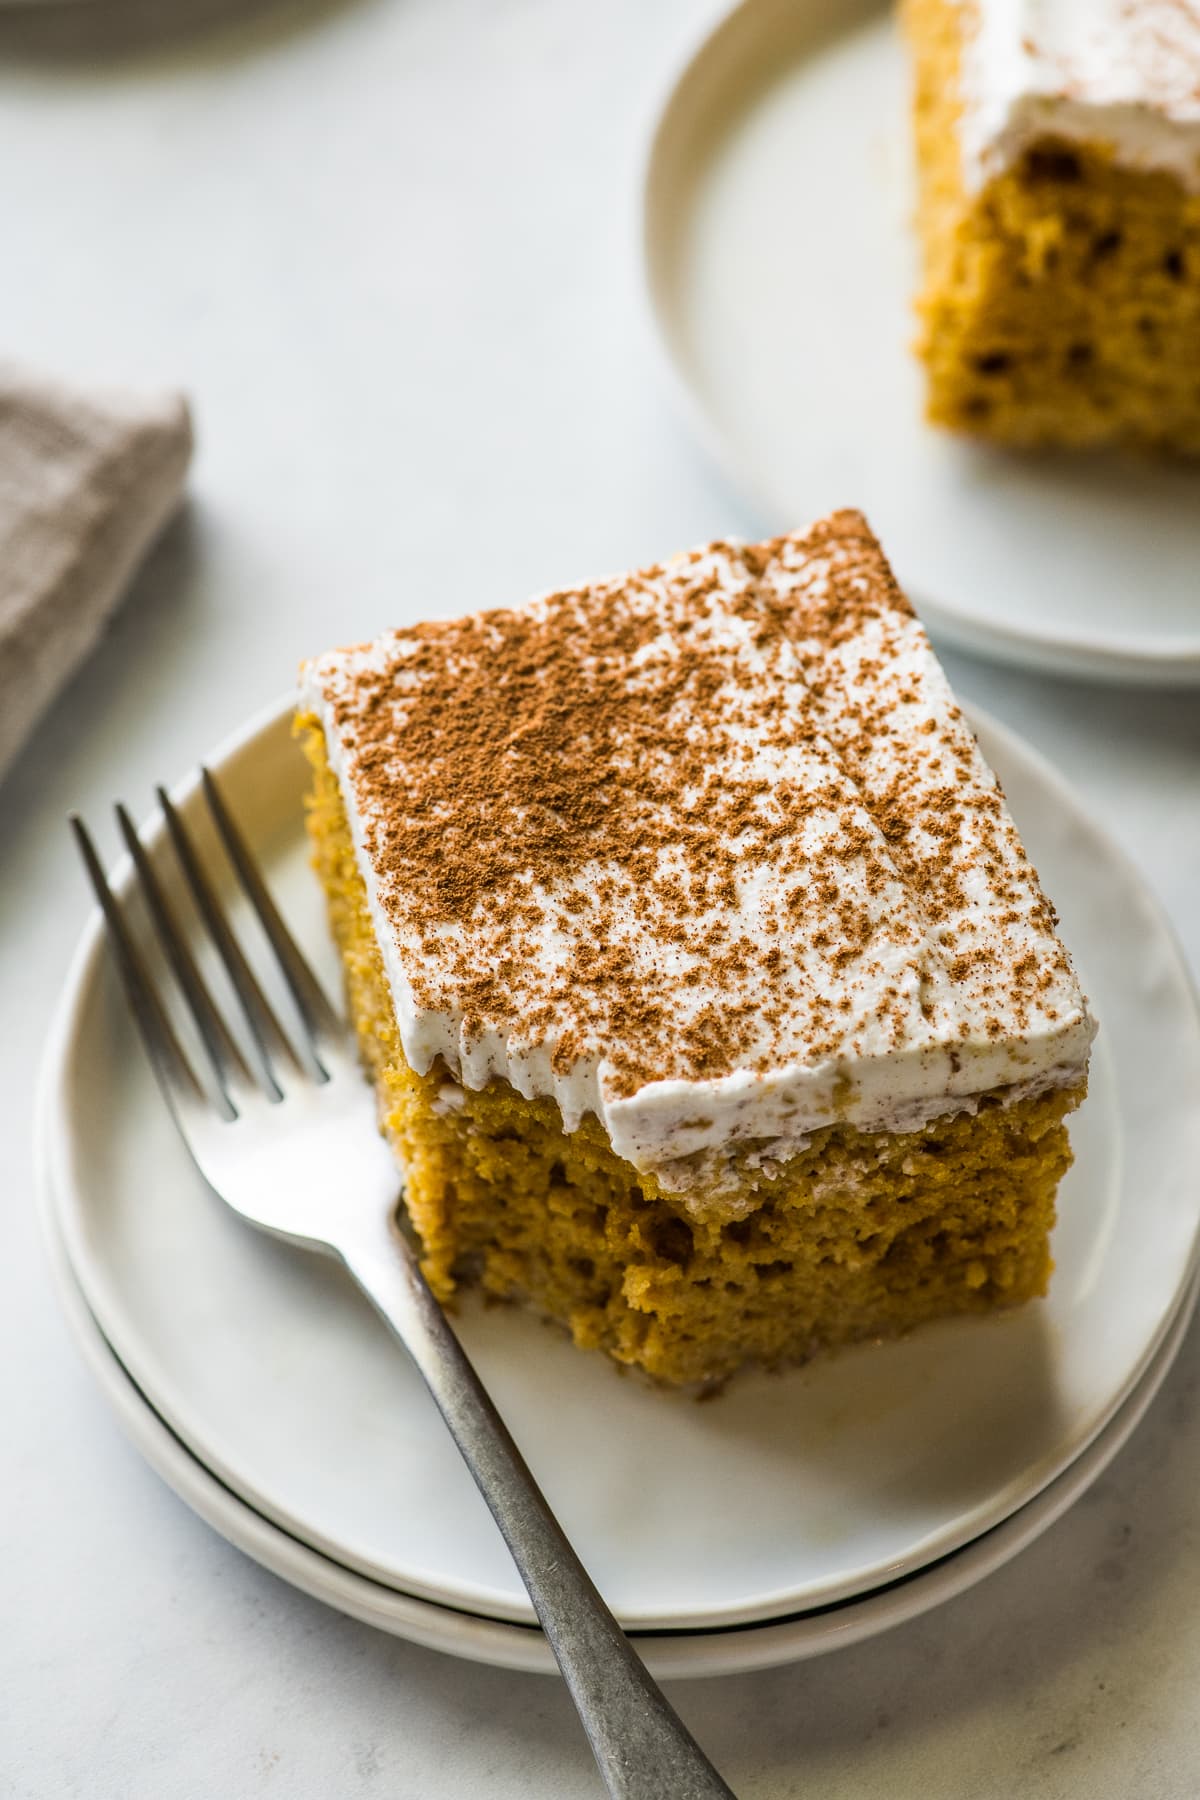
[1058,147]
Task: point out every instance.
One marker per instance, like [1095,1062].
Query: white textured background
[388,247]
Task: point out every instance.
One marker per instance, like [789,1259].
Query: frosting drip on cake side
[707,851]
[1124,74]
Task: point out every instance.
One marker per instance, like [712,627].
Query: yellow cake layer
[862,1235]
[1061,302]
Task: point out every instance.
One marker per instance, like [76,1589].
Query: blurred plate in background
[781,268]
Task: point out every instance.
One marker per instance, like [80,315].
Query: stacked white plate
[793,1513]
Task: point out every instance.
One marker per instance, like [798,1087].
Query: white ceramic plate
[781,270]
[523,1647]
[786,1493]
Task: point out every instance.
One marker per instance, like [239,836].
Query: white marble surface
[388,247]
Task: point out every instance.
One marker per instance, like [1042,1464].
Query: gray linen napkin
[87,481]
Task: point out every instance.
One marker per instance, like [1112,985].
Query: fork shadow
[876,1394]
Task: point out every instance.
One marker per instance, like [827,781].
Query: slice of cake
[713,1005]
[1058,148]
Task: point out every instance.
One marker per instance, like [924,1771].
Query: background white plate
[781,269]
[789,1491]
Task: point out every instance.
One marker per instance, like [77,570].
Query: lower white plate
[780,258]
[686,1654]
[787,1492]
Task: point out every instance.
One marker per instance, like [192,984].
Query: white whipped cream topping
[924,1035]
[1122,73]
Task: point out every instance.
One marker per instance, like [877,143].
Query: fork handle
[642,1747]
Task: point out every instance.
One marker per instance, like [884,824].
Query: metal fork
[287,1137]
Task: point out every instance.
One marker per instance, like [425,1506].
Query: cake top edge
[844,524]
[1122,76]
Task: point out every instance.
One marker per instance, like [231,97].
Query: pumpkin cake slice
[712,1004]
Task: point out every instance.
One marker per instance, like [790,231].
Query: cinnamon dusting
[712,817]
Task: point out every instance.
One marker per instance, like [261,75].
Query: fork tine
[265,1029]
[318,1015]
[228,1064]
[162,1046]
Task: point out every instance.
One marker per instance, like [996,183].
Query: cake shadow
[851,1470]
[946,1418]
